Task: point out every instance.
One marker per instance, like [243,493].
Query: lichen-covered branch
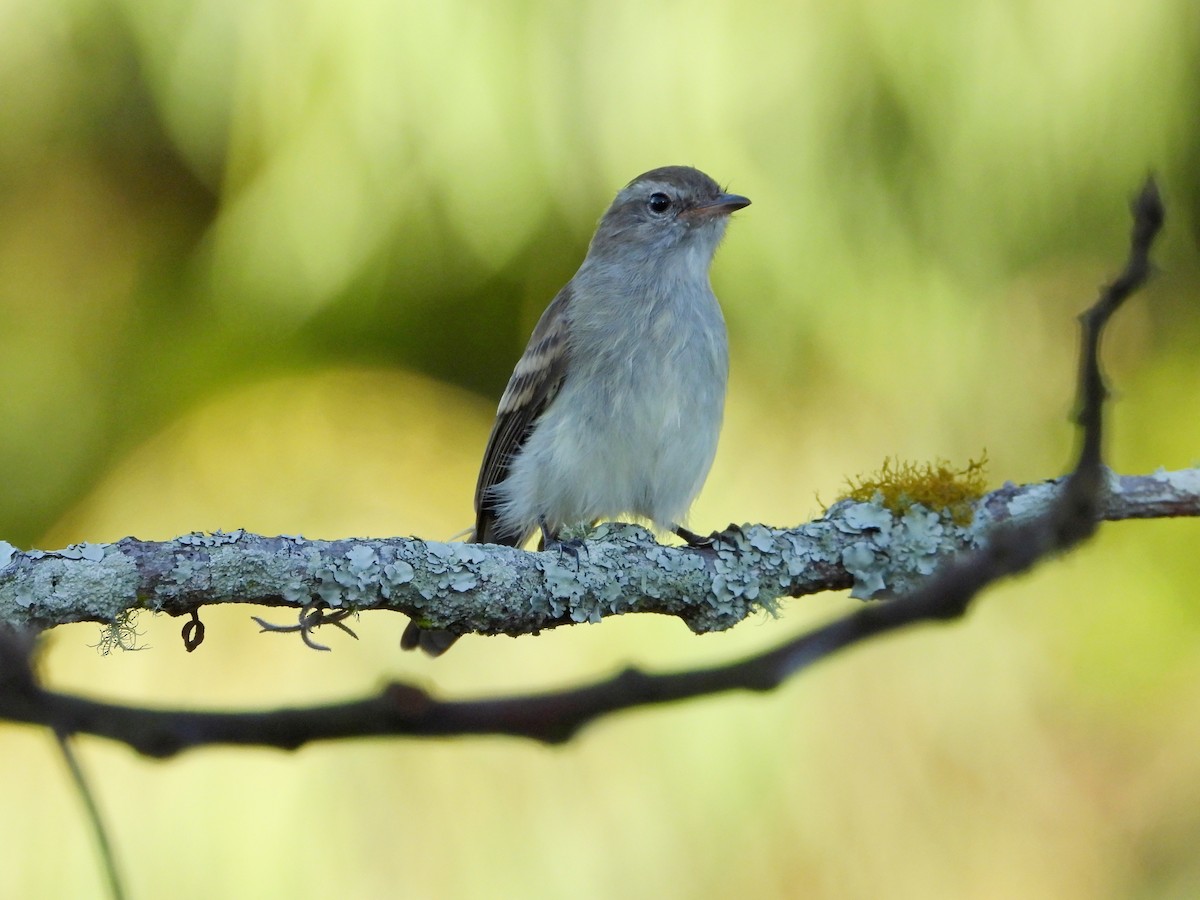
[499,590]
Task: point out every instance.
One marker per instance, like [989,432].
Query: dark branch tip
[1149,212]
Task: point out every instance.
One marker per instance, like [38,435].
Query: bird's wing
[534,383]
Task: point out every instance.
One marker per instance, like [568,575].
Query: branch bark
[500,590]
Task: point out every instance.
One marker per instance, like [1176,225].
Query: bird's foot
[571,547]
[698,542]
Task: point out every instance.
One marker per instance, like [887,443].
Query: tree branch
[499,590]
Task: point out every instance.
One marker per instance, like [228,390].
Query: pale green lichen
[361,559]
[450,564]
[121,634]
[894,552]
[862,561]
[463,581]
[295,591]
[215,539]
[815,543]
[90,552]
[394,574]
[864,517]
[917,541]
[352,581]
[183,571]
[565,589]
[736,583]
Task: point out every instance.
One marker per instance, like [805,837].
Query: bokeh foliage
[268,265]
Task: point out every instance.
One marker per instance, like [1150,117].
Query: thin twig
[108,857]
[555,716]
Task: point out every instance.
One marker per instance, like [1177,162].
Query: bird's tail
[436,641]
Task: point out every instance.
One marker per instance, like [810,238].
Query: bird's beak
[722,205]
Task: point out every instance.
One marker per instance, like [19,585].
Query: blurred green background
[268,265]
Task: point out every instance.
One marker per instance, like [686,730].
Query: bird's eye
[659,203]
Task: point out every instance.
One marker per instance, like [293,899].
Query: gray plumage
[616,405]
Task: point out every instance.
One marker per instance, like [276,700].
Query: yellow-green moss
[936,486]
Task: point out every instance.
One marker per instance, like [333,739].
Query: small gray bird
[616,404]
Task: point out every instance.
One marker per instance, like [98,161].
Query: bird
[616,405]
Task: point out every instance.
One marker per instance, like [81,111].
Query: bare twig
[108,857]
[1011,546]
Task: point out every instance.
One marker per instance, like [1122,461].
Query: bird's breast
[646,394]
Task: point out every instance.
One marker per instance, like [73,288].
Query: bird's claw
[571,547]
[699,542]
